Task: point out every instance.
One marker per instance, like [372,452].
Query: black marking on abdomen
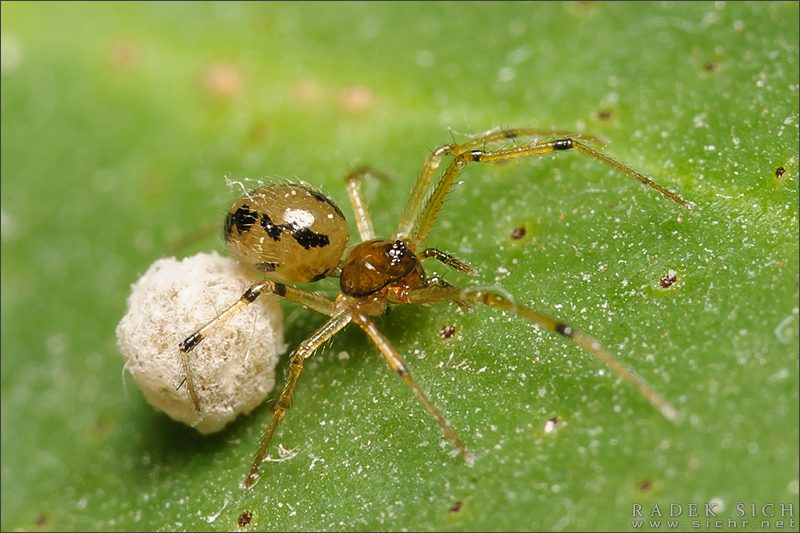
[266,266]
[318,276]
[324,199]
[226,232]
[243,219]
[273,230]
[305,237]
[309,239]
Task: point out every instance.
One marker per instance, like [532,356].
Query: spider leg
[494,298]
[449,260]
[363,219]
[414,204]
[297,360]
[422,224]
[309,299]
[398,364]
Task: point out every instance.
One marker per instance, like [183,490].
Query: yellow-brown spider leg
[363,219]
[449,260]
[433,206]
[398,364]
[308,299]
[296,362]
[495,299]
[413,206]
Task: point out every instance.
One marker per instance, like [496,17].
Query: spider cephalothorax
[374,265]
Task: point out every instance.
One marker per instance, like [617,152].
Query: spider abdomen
[289,231]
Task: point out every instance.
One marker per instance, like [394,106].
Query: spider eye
[396,252]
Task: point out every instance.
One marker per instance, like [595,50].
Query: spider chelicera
[294,234]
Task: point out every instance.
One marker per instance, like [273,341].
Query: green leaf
[120,122]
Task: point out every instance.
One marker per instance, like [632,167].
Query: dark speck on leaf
[447,331]
[604,114]
[668,280]
[518,233]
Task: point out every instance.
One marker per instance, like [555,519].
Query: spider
[295,234]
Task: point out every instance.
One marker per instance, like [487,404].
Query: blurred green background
[121,121]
